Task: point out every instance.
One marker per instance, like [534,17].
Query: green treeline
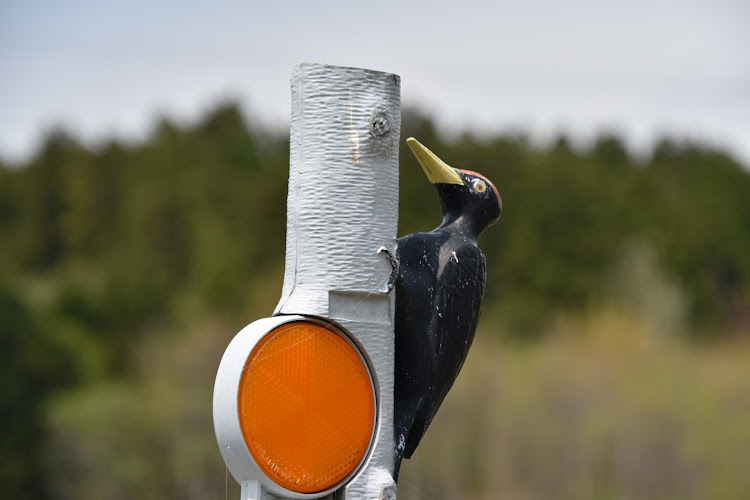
[106,253]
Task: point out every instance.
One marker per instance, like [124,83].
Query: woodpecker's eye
[479,186]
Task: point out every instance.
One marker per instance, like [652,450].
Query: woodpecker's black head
[470,202]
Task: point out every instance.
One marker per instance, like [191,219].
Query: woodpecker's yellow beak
[437,171]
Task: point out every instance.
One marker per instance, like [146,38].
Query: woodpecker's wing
[438,300]
[461,292]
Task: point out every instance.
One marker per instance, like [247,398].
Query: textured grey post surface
[342,207]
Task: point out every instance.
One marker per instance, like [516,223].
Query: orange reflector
[307,407]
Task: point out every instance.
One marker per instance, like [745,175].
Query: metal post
[342,208]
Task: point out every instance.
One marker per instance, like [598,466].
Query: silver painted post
[342,207]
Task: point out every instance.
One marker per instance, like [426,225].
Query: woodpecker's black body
[439,294]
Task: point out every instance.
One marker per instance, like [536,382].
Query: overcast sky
[642,67]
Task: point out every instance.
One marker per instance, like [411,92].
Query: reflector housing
[306,406]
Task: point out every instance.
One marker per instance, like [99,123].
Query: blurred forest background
[612,359]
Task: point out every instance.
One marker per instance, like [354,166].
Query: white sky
[639,67]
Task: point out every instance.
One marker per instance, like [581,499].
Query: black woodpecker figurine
[439,293]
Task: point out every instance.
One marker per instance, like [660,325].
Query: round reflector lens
[306,406]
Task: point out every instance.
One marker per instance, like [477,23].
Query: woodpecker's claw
[394,274]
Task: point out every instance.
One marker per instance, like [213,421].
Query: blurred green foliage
[607,409]
[125,269]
